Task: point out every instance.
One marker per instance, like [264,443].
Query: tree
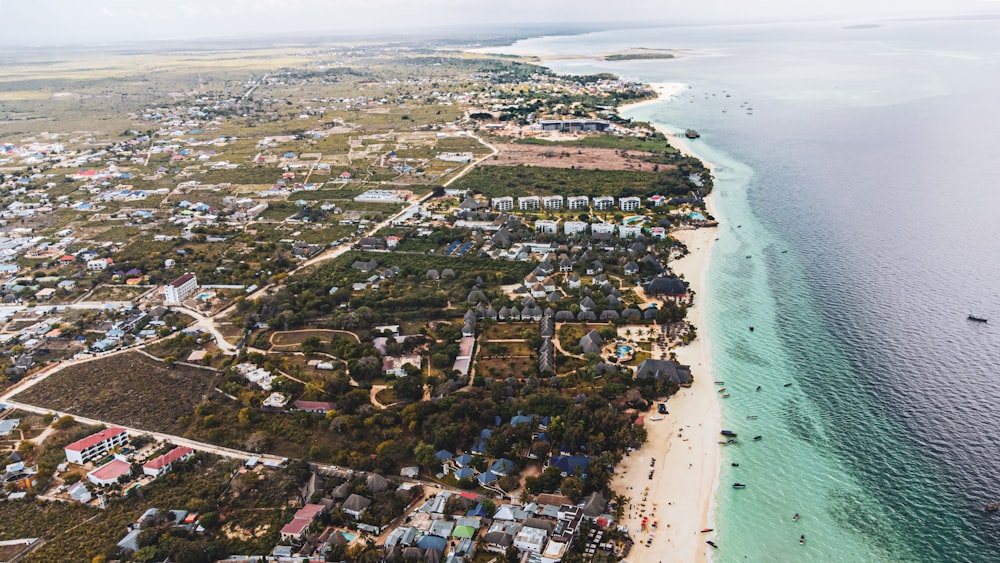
[572,487]
[424,454]
[410,388]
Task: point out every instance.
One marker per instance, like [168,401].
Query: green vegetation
[638,56]
[495,181]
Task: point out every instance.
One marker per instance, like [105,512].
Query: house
[96,445]
[592,342]
[66,285]
[303,518]
[99,264]
[671,286]
[568,464]
[162,464]
[602,230]
[631,268]
[181,288]
[668,370]
[371,243]
[45,294]
[319,407]
[629,231]
[355,505]
[78,492]
[502,467]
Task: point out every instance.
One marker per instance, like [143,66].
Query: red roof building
[109,473]
[160,465]
[96,445]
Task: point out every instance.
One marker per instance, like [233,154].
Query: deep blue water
[864,189]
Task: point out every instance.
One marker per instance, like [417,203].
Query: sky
[66,22]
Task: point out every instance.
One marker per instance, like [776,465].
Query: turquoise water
[634,219]
[696,216]
[349,536]
[623,351]
[862,188]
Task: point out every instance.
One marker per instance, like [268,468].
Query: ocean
[860,225]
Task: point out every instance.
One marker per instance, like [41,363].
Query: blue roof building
[443,455]
[487,477]
[568,464]
[502,466]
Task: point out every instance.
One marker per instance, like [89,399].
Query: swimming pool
[349,536]
[633,219]
[696,216]
[204,296]
[623,351]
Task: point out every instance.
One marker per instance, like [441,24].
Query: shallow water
[860,225]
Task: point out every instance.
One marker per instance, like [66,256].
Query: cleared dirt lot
[129,389]
[558,156]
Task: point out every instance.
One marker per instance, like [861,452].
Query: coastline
[680,499]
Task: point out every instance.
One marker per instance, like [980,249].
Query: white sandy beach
[684,444]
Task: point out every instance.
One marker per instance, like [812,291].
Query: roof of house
[592,342]
[111,470]
[356,503]
[166,459]
[93,439]
[182,280]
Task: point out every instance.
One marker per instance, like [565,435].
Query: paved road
[208,325]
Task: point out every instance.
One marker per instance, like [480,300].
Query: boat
[739,486]
[712,543]
[725,395]
[788,385]
[796,517]
[978,319]
[692,134]
[722,390]
[993,506]
[728,433]
[757,438]
[706,530]
[751,328]
[735,465]
[758,387]
[752,417]
[720,382]
[802,539]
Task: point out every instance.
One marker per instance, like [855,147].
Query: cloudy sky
[43,22]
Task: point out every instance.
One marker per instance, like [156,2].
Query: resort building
[161,464]
[629,203]
[502,203]
[574,227]
[658,232]
[629,231]
[109,473]
[529,203]
[547,227]
[605,229]
[604,202]
[657,200]
[180,289]
[96,445]
[577,202]
[552,202]
[573,125]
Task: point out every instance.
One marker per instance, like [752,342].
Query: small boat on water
[993,506]
[758,387]
[757,438]
[692,134]
[728,433]
[739,486]
[752,417]
[735,465]
[712,543]
[802,539]
[725,395]
[720,382]
[796,517]
[722,390]
[706,530]
[788,385]
[751,328]
[978,319]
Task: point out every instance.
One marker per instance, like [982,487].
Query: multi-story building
[502,203]
[548,227]
[574,227]
[529,203]
[552,202]
[629,231]
[629,203]
[96,445]
[180,289]
[598,229]
[577,202]
[604,202]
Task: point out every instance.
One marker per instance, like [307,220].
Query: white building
[181,288]
[574,227]
[629,203]
[602,229]
[96,445]
[162,464]
[577,202]
[502,203]
[529,203]
[658,232]
[629,231]
[604,202]
[546,226]
[552,202]
[98,265]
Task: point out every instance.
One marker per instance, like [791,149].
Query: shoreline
[680,499]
